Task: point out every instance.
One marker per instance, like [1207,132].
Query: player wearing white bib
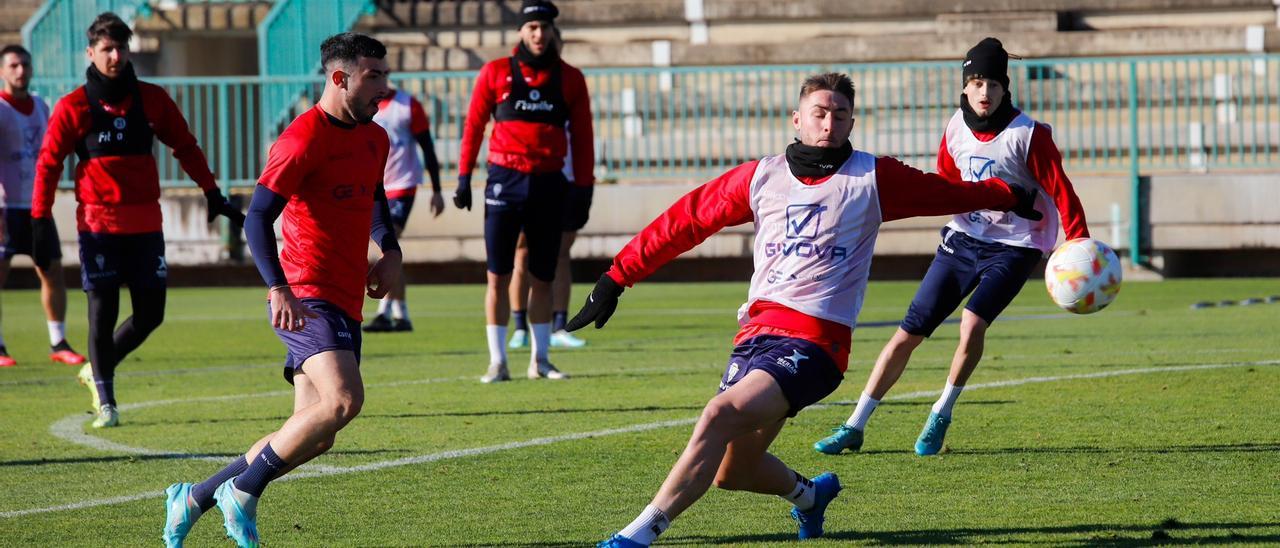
[986,254]
[23,120]
[817,210]
[407,126]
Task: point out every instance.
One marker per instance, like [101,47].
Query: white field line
[462,453]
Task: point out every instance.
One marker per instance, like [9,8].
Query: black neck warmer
[111,90]
[811,161]
[537,62]
[996,122]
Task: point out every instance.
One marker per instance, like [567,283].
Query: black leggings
[107,344]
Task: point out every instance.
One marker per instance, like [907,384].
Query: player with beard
[817,210]
[324,174]
[985,255]
[525,191]
[111,123]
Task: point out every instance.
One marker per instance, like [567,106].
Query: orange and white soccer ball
[1083,276]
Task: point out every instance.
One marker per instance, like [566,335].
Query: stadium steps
[240,16]
[13,16]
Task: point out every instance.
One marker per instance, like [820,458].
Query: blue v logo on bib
[803,220]
[980,167]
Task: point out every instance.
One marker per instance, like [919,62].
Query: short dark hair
[348,47]
[14,49]
[109,25]
[830,81]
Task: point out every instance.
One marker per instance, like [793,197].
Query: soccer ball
[1083,276]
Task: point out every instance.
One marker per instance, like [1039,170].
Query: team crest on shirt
[981,167]
[119,122]
[535,94]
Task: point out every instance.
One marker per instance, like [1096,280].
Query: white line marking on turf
[461,453]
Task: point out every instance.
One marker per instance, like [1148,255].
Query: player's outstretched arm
[908,192]
[601,303]
[386,271]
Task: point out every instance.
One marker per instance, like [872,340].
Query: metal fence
[1108,115]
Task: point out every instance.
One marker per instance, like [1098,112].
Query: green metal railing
[55,33]
[1114,115]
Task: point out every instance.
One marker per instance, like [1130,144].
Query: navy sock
[261,471]
[202,493]
[521,318]
[106,392]
[558,319]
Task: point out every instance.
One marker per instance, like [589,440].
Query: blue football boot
[619,541]
[935,430]
[180,514]
[240,520]
[826,486]
[844,437]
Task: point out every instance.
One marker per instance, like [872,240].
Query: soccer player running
[986,254]
[577,211]
[407,125]
[111,123]
[817,210]
[324,174]
[23,119]
[525,190]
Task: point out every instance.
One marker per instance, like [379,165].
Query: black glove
[218,205]
[44,241]
[1026,207]
[462,197]
[600,304]
[580,196]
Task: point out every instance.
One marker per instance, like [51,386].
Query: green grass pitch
[1109,432]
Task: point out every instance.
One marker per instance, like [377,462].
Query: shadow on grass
[173,456]
[1170,531]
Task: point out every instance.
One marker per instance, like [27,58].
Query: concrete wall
[1226,213]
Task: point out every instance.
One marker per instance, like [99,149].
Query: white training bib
[404,167]
[813,243]
[20,138]
[1005,157]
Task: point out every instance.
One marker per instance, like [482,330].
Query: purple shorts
[333,330]
[802,369]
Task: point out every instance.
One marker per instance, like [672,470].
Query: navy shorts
[108,261]
[804,371]
[578,208]
[994,273]
[333,330]
[400,208]
[17,234]
[516,202]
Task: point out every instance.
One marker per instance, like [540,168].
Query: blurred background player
[797,324]
[324,174]
[23,119]
[111,123]
[525,190]
[986,254]
[577,211]
[406,124]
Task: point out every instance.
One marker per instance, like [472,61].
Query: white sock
[57,332]
[862,413]
[948,400]
[400,309]
[647,526]
[497,343]
[384,305]
[541,340]
[802,496]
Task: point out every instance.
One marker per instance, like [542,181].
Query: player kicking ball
[986,255]
[324,174]
[817,210]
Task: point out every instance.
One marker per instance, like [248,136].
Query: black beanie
[537,10]
[988,59]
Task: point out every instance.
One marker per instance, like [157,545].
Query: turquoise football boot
[844,437]
[240,520]
[180,514]
[935,430]
[826,487]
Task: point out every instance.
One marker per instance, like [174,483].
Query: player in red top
[985,255]
[23,119]
[111,123]
[525,191]
[324,174]
[817,211]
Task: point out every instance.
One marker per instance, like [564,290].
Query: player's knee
[325,445]
[906,341]
[343,409]
[720,417]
